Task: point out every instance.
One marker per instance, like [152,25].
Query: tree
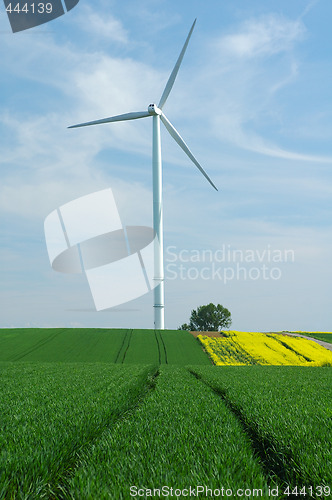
[209,318]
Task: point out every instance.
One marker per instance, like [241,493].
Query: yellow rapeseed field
[253,348]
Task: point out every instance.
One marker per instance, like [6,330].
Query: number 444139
[33,8]
[320,491]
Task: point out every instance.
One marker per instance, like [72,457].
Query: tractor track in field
[38,345]
[164,346]
[121,347]
[128,344]
[270,457]
[58,489]
[124,347]
[161,350]
[158,345]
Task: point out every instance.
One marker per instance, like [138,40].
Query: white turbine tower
[157,115]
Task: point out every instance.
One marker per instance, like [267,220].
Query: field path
[327,345]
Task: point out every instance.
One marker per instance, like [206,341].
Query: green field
[173,443]
[100,345]
[51,413]
[85,414]
[287,410]
[326,337]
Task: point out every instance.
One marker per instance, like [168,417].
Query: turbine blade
[177,137]
[118,118]
[171,79]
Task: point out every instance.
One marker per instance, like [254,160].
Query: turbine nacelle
[154,110]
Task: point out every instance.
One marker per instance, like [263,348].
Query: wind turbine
[157,114]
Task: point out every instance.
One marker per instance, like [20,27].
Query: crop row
[161,347]
[100,345]
[287,412]
[183,434]
[92,430]
[247,348]
[60,344]
[50,413]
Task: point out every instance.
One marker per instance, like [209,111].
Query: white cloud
[232,128]
[256,64]
[95,85]
[268,35]
[288,79]
[44,165]
[103,26]
[115,85]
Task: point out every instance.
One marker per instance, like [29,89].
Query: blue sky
[253,102]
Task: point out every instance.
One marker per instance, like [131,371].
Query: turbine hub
[154,110]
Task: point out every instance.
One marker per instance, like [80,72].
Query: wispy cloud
[39,151]
[245,90]
[265,36]
[103,26]
[258,61]
[311,4]
[232,128]
[288,79]
[42,163]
